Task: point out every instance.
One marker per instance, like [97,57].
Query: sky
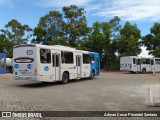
[144,13]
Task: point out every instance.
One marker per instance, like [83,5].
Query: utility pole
[154,67]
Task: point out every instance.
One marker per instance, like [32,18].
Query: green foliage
[99,40]
[6,46]
[103,39]
[76,26]
[69,33]
[49,22]
[128,44]
[115,27]
[113,59]
[16,32]
[109,39]
[1,44]
[152,40]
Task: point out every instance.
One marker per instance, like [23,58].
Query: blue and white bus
[54,63]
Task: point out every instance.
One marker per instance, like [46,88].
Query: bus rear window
[24,60]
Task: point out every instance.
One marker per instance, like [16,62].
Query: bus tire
[92,75]
[65,78]
[143,70]
[10,70]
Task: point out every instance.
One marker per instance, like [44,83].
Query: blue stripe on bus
[96,65]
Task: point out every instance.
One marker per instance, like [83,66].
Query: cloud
[131,10]
[61,3]
[4,3]
[144,53]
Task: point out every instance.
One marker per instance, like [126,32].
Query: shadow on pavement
[135,73]
[46,84]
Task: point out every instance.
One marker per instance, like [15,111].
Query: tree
[152,40]
[2,41]
[128,44]
[113,60]
[6,46]
[17,33]
[51,21]
[71,27]
[103,39]
[76,26]
[14,33]
[99,41]
[115,27]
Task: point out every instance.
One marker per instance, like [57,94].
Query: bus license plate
[23,73]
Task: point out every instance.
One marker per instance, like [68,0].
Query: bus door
[56,66]
[152,65]
[78,65]
[148,65]
[138,65]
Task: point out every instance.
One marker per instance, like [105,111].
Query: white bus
[139,64]
[53,63]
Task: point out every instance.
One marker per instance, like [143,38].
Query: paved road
[109,92]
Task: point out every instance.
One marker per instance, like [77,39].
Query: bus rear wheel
[65,78]
[143,70]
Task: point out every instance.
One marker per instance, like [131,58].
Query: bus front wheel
[92,75]
[65,78]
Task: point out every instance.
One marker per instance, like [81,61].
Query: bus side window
[134,61]
[148,61]
[86,59]
[68,56]
[157,61]
[48,57]
[143,61]
[62,57]
[91,59]
[152,62]
[139,61]
[45,56]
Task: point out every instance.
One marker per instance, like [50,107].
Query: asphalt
[111,91]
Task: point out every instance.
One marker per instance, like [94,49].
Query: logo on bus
[46,68]
[72,67]
[29,66]
[16,66]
